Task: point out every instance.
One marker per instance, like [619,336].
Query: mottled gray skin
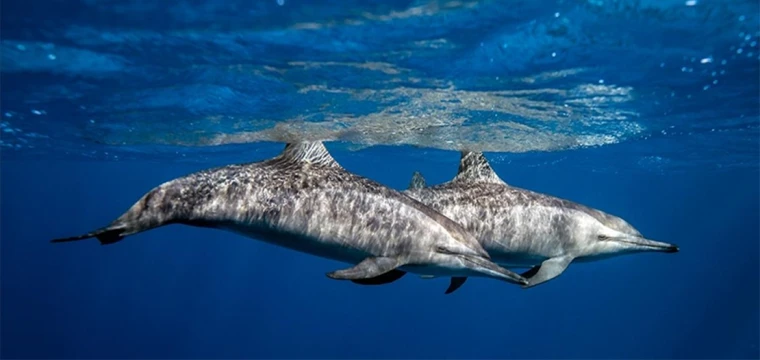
[304,200]
[520,227]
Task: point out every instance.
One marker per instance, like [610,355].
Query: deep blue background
[181,292]
[647,109]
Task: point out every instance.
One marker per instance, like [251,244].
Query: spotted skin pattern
[304,200]
[520,227]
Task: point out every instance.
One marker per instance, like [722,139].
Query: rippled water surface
[127,79]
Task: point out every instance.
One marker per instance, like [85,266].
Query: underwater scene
[398,179]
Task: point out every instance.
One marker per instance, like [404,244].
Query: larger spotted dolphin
[304,200]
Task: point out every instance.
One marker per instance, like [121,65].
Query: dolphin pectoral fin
[383,279]
[549,269]
[456,283]
[369,268]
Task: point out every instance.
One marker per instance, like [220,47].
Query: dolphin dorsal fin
[474,167]
[312,152]
[418,181]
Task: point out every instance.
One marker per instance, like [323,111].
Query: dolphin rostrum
[302,199]
[522,228]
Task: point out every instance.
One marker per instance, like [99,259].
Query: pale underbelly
[511,260]
[333,251]
[523,252]
[302,243]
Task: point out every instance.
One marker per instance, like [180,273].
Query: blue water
[649,110]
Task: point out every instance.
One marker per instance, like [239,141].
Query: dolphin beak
[489,268]
[646,244]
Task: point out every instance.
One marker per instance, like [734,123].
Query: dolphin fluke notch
[418,181]
[474,167]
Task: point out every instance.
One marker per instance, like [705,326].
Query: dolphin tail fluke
[107,235]
[547,270]
[418,181]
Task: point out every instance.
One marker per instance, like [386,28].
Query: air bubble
[741,18]
[706,60]
[51,56]
[554,54]
[715,82]
[739,50]
[691,2]
[601,81]
[281,2]
[705,87]
[556,14]
[21,47]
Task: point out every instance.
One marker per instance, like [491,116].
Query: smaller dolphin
[521,228]
[304,200]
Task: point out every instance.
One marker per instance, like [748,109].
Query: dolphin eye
[603,237]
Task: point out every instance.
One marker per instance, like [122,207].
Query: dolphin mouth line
[649,244]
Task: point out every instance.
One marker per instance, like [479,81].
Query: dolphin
[522,228]
[302,199]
